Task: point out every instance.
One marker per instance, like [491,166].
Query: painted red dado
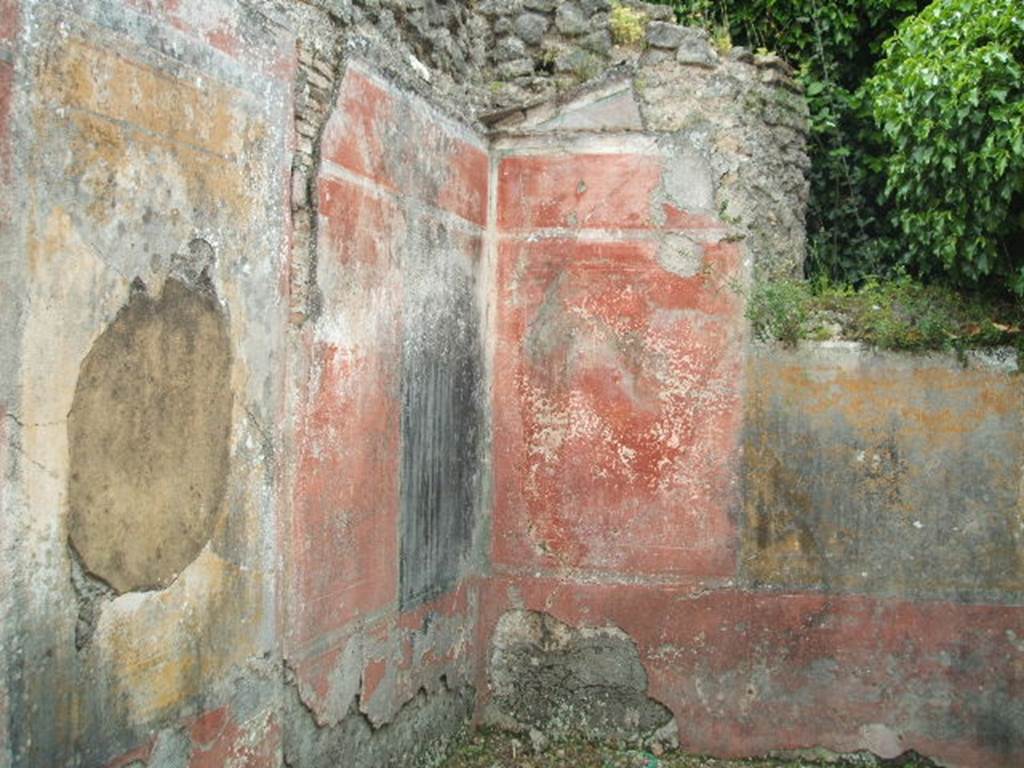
[218,740]
[747,672]
[389,659]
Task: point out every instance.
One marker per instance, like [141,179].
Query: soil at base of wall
[495,749]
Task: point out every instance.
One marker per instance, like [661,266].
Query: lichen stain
[149,433]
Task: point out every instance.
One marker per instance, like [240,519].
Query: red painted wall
[747,672]
[617,381]
[619,401]
[392,169]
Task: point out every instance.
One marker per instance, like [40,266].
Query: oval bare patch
[149,435]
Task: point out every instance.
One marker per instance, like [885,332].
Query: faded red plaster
[449,604]
[344,545]
[595,191]
[344,540]
[10,12]
[431,661]
[679,219]
[373,676]
[344,554]
[464,193]
[353,137]
[398,143]
[422,667]
[219,741]
[224,39]
[6,92]
[315,674]
[617,410]
[209,726]
[746,673]
[361,230]
[137,755]
[394,647]
[218,32]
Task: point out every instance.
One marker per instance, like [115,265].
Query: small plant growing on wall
[627,25]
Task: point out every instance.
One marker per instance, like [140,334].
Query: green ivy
[949,97]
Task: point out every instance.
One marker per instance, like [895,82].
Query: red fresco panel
[363,232]
[400,144]
[6,92]
[588,191]
[617,410]
[346,502]
[356,135]
[346,499]
[398,655]
[464,191]
[746,673]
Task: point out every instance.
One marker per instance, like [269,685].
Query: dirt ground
[491,749]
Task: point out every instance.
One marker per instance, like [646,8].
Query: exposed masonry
[316,88]
[550,678]
[420,733]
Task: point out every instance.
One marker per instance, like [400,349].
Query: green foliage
[900,313]
[779,311]
[835,45]
[949,96]
[627,25]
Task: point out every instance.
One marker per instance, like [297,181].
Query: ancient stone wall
[356,353]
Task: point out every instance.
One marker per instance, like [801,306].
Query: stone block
[661,34]
[570,20]
[695,49]
[530,27]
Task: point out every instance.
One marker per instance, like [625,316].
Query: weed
[778,311]
[627,25]
[899,314]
